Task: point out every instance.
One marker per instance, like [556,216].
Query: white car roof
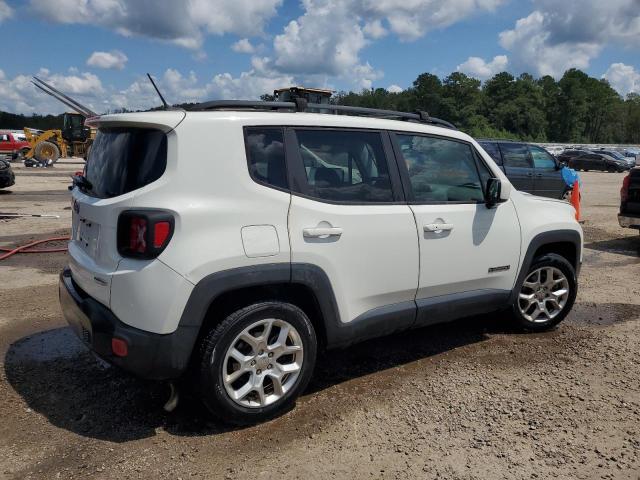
[171,118]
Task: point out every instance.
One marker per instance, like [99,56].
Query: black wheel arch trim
[547,238]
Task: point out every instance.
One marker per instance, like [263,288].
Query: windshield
[124,159]
[615,154]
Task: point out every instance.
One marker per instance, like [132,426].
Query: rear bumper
[150,355]
[627,221]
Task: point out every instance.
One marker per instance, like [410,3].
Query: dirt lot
[467,400]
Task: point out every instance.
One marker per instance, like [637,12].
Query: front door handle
[438,227]
[538,174]
[530,174]
[322,232]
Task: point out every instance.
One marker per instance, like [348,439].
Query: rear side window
[515,155]
[542,158]
[441,170]
[345,166]
[124,159]
[265,152]
[492,149]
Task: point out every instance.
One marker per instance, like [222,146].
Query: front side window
[345,166]
[541,158]
[440,170]
[515,155]
[265,151]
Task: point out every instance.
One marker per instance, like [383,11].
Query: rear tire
[47,152]
[256,362]
[546,295]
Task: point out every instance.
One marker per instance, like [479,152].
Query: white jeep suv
[236,240]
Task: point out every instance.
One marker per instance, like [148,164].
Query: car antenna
[166,107]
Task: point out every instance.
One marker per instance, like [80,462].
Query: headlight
[3,165]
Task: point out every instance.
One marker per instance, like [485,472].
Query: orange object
[28,248]
[575,198]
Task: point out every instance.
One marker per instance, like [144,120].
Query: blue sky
[99,50]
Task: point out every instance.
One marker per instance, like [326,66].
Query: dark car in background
[7,177]
[569,154]
[629,216]
[631,161]
[530,168]
[598,161]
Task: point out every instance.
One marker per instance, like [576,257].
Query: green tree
[461,99]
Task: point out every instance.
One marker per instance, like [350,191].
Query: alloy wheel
[262,363]
[544,295]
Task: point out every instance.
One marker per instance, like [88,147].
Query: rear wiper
[82,182]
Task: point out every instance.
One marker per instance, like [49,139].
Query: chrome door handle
[322,232]
[438,227]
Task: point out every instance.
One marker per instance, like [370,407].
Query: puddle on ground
[603,313]
[59,343]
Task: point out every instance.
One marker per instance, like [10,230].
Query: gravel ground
[468,400]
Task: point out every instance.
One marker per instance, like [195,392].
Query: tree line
[12,121]
[575,109]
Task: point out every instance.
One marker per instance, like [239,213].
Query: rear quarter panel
[213,197]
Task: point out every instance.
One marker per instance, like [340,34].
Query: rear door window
[124,159]
[515,155]
[542,158]
[344,165]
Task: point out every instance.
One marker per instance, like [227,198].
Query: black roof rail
[302,106]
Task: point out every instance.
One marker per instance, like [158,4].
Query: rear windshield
[124,159]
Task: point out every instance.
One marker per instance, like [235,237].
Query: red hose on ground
[27,248]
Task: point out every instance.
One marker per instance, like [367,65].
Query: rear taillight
[624,191]
[144,233]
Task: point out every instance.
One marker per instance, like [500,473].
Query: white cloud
[243,46]
[557,35]
[323,40]
[5,11]
[330,35]
[478,68]
[394,88]
[623,78]
[114,59]
[183,24]
[374,29]
[178,88]
[19,95]
[411,19]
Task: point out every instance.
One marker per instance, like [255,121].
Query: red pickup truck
[12,145]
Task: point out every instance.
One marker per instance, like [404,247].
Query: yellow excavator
[73,140]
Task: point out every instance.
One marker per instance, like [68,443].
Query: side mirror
[493,192]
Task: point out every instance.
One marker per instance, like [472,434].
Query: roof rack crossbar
[422,117]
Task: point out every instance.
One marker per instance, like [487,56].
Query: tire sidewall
[548,260]
[212,387]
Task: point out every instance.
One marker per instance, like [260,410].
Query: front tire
[256,362]
[47,153]
[547,294]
